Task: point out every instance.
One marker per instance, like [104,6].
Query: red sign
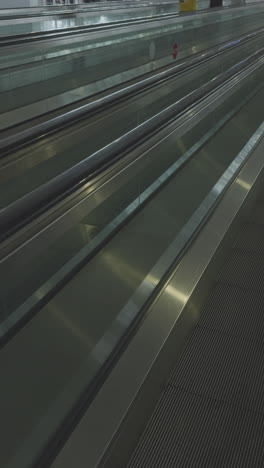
[175,50]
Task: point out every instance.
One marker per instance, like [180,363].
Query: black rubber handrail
[33,204]
[30,135]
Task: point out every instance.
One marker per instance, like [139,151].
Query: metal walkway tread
[211,412]
[251,238]
[194,431]
[241,322]
[244,269]
[257,215]
[224,368]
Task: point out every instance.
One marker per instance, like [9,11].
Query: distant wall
[20,3]
[29,3]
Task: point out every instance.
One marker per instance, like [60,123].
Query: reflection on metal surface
[125,272]
[243,184]
[80,335]
[176,294]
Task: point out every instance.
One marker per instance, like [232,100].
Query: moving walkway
[32,68]
[103,285]
[48,149]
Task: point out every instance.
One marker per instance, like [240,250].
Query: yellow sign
[187,5]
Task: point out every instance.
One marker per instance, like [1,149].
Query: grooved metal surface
[211,411]
[242,321]
[257,215]
[195,431]
[222,367]
[251,238]
[244,269]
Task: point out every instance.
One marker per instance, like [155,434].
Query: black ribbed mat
[244,269]
[235,311]
[224,368]
[189,430]
[251,238]
[257,215]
